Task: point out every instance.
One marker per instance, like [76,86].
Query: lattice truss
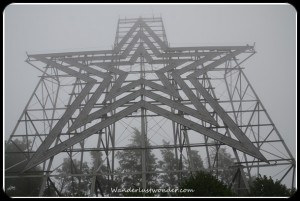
[196,98]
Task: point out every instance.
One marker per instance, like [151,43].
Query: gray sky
[61,28]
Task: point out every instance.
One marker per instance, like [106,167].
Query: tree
[105,181]
[223,160]
[264,186]
[168,163]
[131,161]
[195,159]
[74,186]
[204,184]
[15,153]
[50,191]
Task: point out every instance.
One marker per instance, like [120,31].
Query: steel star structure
[197,98]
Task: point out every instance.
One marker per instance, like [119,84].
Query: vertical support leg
[144,140]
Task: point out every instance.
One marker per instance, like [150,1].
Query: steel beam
[228,121]
[80,136]
[193,98]
[127,36]
[154,36]
[219,62]
[197,63]
[65,69]
[140,51]
[86,68]
[201,129]
[207,48]
[97,114]
[167,84]
[71,54]
[91,102]
[60,124]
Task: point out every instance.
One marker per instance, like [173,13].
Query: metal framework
[197,98]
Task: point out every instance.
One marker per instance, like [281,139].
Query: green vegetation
[223,160]
[205,184]
[131,161]
[265,187]
[22,186]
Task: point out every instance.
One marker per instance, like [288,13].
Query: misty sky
[62,28]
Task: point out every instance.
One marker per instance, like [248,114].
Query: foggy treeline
[130,162]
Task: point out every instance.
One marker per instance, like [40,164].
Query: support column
[143,129]
[144,140]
